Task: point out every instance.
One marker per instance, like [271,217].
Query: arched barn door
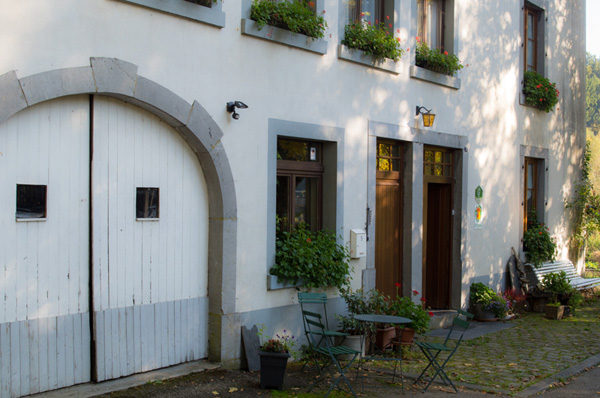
[101,203]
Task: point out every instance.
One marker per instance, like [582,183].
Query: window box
[284,36]
[212,15]
[434,77]
[360,57]
[273,283]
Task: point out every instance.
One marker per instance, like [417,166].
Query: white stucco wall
[215,65]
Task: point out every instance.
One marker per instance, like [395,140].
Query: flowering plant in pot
[488,305]
[407,308]
[436,60]
[297,16]
[274,354]
[539,92]
[374,39]
[538,243]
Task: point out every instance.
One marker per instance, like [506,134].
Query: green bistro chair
[432,350]
[317,302]
[321,343]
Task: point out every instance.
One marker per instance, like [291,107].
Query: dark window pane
[146,204]
[306,195]
[31,201]
[302,151]
[283,201]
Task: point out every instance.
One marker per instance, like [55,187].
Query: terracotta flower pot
[383,337]
[407,336]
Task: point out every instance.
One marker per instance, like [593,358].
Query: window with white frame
[435,23]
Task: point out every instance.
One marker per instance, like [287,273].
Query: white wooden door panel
[148,274]
[44,266]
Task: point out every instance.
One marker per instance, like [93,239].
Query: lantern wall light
[428,117]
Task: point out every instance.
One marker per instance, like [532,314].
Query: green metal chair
[321,343]
[433,350]
[317,302]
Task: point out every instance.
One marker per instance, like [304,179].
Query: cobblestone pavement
[515,358]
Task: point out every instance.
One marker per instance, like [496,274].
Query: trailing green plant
[585,202]
[540,246]
[297,16]
[374,39]
[539,92]
[436,60]
[315,258]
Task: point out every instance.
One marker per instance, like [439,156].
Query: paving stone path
[515,358]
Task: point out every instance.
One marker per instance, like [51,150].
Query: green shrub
[540,246]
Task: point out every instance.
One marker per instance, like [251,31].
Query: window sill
[434,77]
[285,37]
[195,12]
[360,57]
[274,284]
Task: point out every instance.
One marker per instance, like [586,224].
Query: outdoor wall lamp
[235,104]
[428,117]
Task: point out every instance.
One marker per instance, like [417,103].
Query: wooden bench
[536,275]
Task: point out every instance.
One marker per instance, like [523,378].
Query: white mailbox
[358,243]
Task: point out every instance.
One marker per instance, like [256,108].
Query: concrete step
[441,319]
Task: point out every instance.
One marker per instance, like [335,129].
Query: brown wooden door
[388,217]
[438,240]
[388,234]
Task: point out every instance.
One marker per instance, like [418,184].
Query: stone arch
[117,78]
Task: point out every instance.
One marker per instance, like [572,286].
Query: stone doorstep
[441,319]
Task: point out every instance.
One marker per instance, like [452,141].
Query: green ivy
[373,39]
[539,92]
[585,202]
[435,60]
[297,16]
[315,258]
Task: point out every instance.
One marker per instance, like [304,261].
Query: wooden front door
[437,219]
[388,218]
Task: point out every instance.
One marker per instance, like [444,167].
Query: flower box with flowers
[436,60]
[293,23]
[539,92]
[374,44]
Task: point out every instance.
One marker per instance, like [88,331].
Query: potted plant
[539,245]
[357,303]
[407,308]
[374,39]
[436,60]
[315,258]
[296,16]
[487,304]
[557,284]
[539,92]
[274,354]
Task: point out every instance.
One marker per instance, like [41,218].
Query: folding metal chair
[433,350]
[318,302]
[321,343]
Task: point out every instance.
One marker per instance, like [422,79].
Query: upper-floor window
[533,24]
[373,11]
[435,23]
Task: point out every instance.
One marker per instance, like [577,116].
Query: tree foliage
[592,98]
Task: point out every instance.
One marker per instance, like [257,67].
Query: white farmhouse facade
[137,217]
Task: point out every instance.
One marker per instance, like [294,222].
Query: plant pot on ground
[486,303]
[554,311]
[272,369]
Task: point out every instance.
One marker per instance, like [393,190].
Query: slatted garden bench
[536,275]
